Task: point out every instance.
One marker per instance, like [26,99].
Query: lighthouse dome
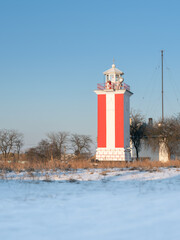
[113,70]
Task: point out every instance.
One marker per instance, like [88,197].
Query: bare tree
[41,151]
[18,144]
[81,143]
[58,142]
[52,147]
[137,131]
[10,141]
[167,131]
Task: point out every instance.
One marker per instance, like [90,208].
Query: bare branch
[81,143]
[137,131]
[58,143]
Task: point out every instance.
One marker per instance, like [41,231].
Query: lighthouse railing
[126,86]
[103,86]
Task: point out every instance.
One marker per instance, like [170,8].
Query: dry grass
[74,164]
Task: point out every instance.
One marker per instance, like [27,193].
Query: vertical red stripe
[102,121]
[119,120]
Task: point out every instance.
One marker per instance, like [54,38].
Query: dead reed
[75,163]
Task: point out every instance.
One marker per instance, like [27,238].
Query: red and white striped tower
[113,127]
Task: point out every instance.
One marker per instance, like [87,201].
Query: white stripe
[110,120]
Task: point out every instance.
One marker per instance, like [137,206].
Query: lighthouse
[113,113]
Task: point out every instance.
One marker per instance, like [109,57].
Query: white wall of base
[163,153]
[116,154]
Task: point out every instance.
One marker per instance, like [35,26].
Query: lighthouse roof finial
[113,65]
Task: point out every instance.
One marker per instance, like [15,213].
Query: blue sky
[53,53]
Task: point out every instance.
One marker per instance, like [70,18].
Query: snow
[90,204]
[95,175]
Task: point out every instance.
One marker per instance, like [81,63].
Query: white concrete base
[163,153]
[116,154]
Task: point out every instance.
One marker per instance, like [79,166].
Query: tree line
[56,145]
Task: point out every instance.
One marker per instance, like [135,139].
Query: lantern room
[114,75]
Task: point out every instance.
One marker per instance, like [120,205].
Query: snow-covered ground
[90,204]
[93,175]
